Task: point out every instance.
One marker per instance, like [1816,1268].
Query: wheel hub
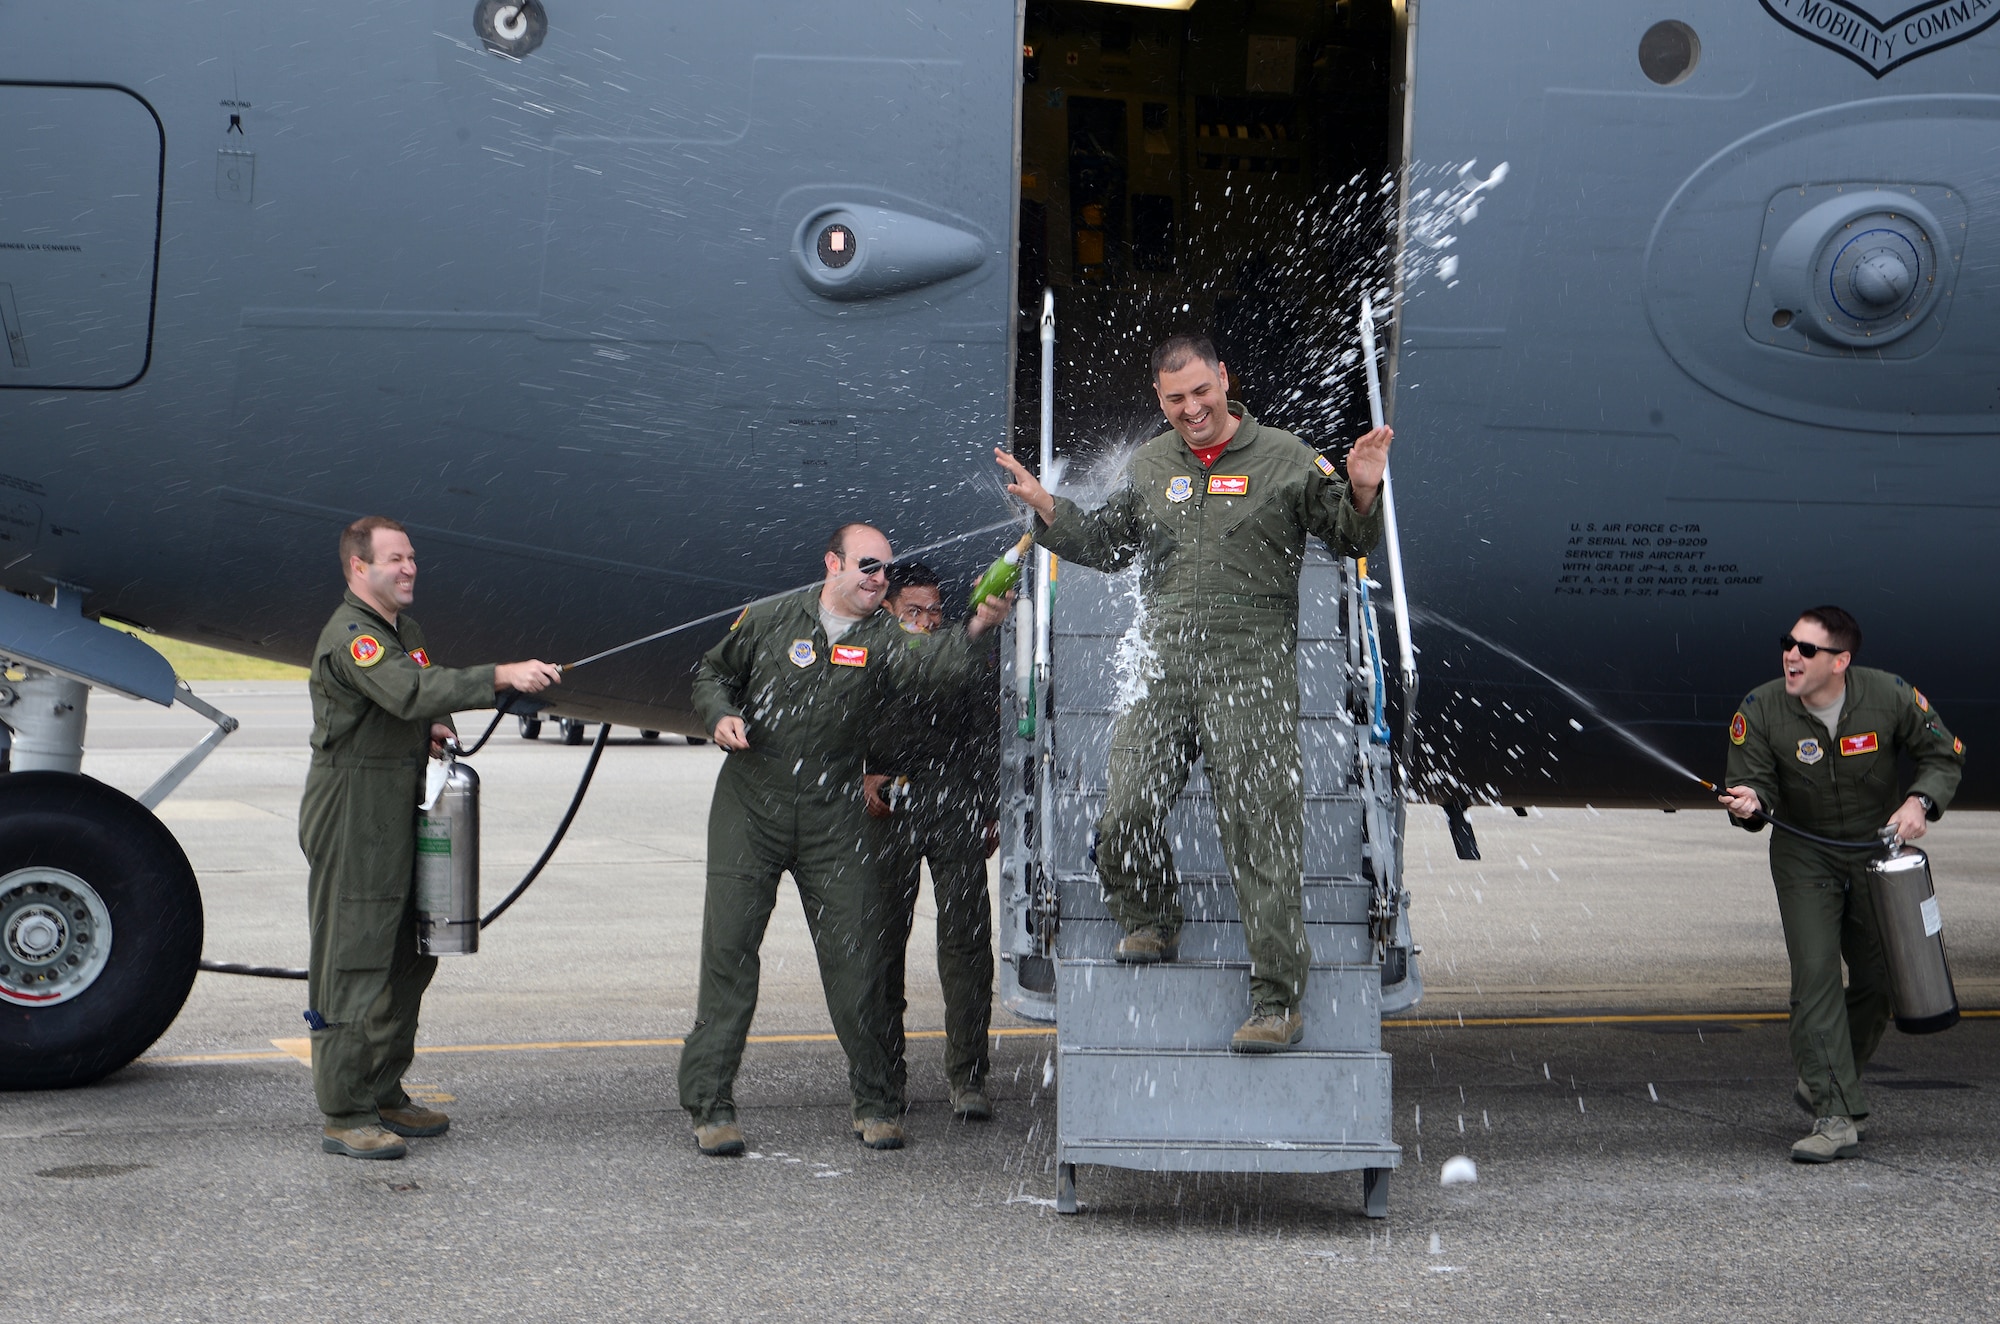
[55,936]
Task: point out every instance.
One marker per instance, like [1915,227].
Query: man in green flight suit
[1216,512]
[379,703]
[1817,749]
[933,792]
[793,692]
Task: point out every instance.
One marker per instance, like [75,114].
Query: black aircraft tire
[572,731]
[113,843]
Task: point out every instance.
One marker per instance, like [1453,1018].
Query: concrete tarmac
[1628,1168]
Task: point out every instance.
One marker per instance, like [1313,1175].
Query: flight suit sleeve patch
[849,655]
[366,650]
[1325,465]
[1865,743]
[739,618]
[1957,745]
[1739,730]
[420,657]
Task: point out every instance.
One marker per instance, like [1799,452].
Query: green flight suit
[1219,552]
[948,747]
[375,693]
[1844,788]
[792,802]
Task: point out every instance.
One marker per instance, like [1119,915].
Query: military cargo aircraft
[620,307]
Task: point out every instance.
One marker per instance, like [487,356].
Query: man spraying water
[1817,748]
[1216,512]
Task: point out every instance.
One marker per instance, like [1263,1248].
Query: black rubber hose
[562,828]
[1782,826]
[548,853]
[485,735]
[254,971]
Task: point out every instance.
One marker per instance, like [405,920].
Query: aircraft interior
[1175,177]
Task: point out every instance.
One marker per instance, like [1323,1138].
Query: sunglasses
[869,565]
[1786,643]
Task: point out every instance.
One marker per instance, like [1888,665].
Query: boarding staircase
[1144,1076]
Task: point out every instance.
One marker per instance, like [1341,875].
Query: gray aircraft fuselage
[621,326]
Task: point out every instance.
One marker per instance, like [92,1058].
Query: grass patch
[200,662]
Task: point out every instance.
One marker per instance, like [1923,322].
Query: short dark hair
[358,538]
[1177,351]
[911,574]
[1841,628]
[837,544]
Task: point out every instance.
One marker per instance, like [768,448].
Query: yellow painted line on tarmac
[300,1050]
[1659,1018]
[1654,1018]
[184,1059]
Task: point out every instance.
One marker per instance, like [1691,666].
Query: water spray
[1007,523]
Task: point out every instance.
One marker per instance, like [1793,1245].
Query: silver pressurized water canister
[448,866]
[1906,912]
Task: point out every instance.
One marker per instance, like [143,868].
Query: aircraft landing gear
[100,929]
[572,730]
[649,735]
[531,728]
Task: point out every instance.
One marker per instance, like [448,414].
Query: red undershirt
[1207,454]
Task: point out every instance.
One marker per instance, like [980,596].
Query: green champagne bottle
[1003,574]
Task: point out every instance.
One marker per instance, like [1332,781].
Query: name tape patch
[1864,743]
[1229,485]
[849,655]
[366,650]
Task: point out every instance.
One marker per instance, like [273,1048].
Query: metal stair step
[1254,1103]
[1183,1007]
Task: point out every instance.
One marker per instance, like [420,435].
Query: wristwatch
[1930,805]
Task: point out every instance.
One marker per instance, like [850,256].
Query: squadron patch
[1865,743]
[1325,465]
[849,655]
[1229,485]
[802,653]
[1739,729]
[420,657]
[366,650]
[1923,704]
[739,618]
[1811,751]
[1180,487]
[1957,745]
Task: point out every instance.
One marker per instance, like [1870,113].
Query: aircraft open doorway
[1218,168]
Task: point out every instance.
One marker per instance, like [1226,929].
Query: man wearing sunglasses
[1817,748]
[1216,512]
[933,790]
[793,693]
